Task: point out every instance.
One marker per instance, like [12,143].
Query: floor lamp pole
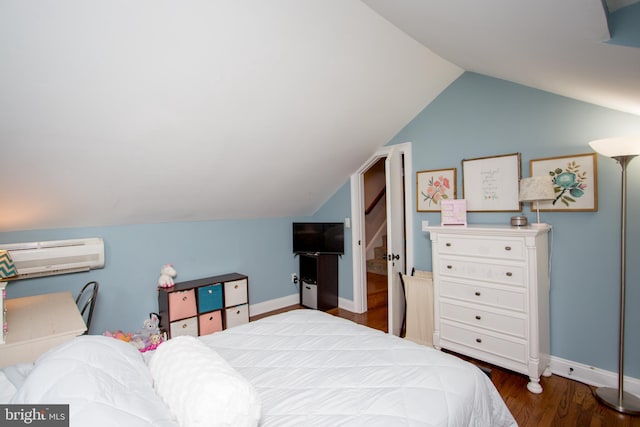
[617,399]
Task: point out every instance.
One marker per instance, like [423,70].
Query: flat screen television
[320,237]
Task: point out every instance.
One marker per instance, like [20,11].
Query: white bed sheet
[314,369]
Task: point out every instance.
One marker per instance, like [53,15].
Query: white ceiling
[556,46]
[121,112]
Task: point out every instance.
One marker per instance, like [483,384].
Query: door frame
[357,220]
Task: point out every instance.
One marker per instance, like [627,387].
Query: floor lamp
[623,150]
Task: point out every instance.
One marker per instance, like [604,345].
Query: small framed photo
[575,182]
[434,186]
[454,212]
[491,184]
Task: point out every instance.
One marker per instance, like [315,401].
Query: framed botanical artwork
[490,184]
[434,186]
[575,182]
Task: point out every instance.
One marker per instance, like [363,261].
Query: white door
[395,239]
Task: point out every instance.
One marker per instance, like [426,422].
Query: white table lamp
[536,189]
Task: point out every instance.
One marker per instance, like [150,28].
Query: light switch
[425,224]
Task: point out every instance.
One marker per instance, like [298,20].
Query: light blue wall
[624,26]
[479,116]
[336,210]
[134,255]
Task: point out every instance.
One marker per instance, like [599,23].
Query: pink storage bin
[182,304]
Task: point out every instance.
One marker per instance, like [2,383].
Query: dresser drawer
[513,349]
[478,270]
[235,292]
[209,323]
[182,304]
[503,248]
[184,327]
[209,298]
[474,316]
[238,315]
[509,299]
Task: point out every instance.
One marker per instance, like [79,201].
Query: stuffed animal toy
[167,273]
[119,335]
[152,324]
[150,337]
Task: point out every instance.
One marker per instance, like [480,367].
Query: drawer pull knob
[507,248]
[478,340]
[235,287]
[509,274]
[477,293]
[478,317]
[449,267]
[210,291]
[238,312]
[448,245]
[184,325]
[184,298]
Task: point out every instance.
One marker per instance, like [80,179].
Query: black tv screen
[321,237]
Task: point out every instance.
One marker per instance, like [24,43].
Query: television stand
[319,281]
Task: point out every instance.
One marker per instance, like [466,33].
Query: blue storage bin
[209,298]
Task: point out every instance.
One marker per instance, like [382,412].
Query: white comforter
[308,368]
[314,369]
[104,381]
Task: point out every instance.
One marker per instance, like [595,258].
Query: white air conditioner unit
[39,259]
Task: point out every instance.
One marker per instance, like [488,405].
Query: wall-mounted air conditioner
[37,259]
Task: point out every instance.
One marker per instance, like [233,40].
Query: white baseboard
[289,300]
[591,375]
[346,304]
[274,304]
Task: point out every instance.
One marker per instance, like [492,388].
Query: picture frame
[433,186]
[454,212]
[491,184]
[575,182]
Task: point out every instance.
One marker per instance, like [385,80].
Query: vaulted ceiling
[556,46]
[121,112]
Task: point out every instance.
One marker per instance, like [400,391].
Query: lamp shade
[615,147]
[536,188]
[7,269]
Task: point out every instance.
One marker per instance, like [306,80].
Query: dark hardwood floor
[563,403]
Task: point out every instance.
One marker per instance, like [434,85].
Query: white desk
[37,324]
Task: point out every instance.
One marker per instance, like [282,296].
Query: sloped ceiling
[121,112]
[557,46]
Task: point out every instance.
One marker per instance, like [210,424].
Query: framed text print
[490,184]
[433,187]
[575,182]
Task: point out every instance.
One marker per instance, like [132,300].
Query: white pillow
[200,387]
[104,381]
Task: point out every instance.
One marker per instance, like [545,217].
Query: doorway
[375,240]
[399,254]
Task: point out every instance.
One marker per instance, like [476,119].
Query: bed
[300,368]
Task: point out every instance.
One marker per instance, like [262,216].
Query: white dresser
[491,295]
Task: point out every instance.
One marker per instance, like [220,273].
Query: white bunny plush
[167,273]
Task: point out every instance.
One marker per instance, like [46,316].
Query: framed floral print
[575,182]
[434,186]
